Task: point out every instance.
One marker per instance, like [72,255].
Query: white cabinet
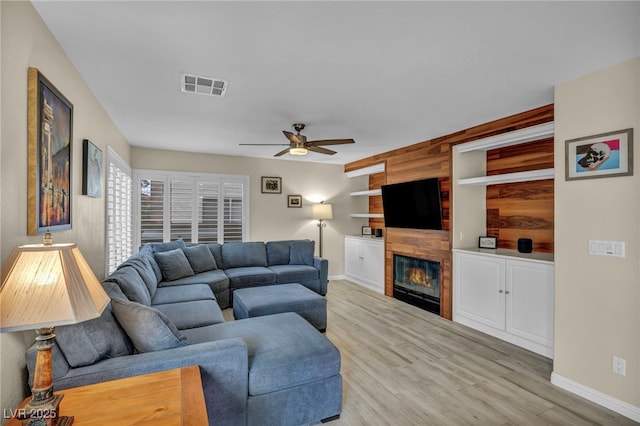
[507,295]
[364,262]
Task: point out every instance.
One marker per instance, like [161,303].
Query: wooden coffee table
[172,397]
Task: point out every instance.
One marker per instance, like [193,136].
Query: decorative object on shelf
[321,212]
[49,137]
[366,230]
[378,232]
[525,245]
[294,201]
[488,242]
[47,285]
[91,169]
[604,155]
[271,185]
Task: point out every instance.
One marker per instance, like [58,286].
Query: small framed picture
[604,155]
[366,230]
[271,185]
[488,242]
[294,201]
[91,169]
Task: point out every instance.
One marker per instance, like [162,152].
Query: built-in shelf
[516,137]
[368,193]
[369,215]
[371,170]
[527,176]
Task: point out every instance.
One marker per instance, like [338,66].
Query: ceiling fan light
[298,151]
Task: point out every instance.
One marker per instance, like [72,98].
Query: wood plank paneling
[375,203]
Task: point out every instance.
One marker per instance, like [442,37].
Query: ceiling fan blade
[292,137]
[320,150]
[264,144]
[330,142]
[284,151]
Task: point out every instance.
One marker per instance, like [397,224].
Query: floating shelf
[509,177]
[516,137]
[369,215]
[368,193]
[371,170]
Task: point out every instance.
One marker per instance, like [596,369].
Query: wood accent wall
[432,158]
[524,209]
[375,203]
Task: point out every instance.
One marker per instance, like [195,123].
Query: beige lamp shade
[321,211]
[48,286]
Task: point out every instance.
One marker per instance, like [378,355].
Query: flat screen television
[414,204]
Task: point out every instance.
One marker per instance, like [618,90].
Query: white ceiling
[387,74]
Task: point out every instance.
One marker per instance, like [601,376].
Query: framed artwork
[488,242]
[366,230]
[294,201]
[49,137]
[604,155]
[91,169]
[271,185]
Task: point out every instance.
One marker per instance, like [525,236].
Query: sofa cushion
[149,329]
[196,313]
[148,251]
[174,264]
[278,252]
[238,255]
[250,276]
[131,284]
[216,279]
[302,252]
[284,350]
[171,245]
[90,341]
[183,293]
[200,258]
[216,251]
[294,273]
[141,262]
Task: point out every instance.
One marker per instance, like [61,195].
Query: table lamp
[43,286]
[321,212]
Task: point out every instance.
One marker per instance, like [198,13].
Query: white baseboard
[336,277]
[599,398]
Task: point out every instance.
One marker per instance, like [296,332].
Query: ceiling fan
[298,144]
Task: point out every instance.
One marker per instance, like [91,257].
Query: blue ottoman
[275,299]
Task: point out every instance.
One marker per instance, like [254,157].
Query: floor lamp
[43,286]
[321,212]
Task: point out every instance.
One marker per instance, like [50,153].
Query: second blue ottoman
[275,299]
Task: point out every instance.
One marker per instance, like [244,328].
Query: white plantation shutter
[119,233]
[204,208]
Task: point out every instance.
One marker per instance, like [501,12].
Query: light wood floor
[404,366]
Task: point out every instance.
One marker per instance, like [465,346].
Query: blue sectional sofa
[166,312]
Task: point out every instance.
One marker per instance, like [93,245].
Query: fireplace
[417,281]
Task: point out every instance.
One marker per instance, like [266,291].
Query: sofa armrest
[223,367]
[322,265]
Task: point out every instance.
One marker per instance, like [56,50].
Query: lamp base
[44,414]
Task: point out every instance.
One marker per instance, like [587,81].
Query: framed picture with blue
[91,169]
[604,155]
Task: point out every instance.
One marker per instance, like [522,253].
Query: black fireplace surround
[417,282]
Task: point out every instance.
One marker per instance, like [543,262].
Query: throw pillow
[174,264]
[90,341]
[200,258]
[302,252]
[149,329]
[171,245]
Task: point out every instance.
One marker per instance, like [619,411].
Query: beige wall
[27,42]
[270,218]
[597,311]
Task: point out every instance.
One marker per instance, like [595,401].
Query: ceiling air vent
[203,85]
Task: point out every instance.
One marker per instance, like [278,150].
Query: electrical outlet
[619,366]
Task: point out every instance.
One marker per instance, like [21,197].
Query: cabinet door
[373,262]
[352,257]
[479,288]
[529,301]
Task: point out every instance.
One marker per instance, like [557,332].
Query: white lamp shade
[298,151]
[47,286]
[321,211]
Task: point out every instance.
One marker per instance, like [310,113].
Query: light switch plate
[606,248]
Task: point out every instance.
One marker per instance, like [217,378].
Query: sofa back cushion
[90,341]
[148,252]
[238,255]
[149,329]
[141,262]
[278,252]
[216,251]
[200,258]
[131,284]
[174,264]
[302,252]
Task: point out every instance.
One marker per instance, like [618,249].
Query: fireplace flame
[419,277]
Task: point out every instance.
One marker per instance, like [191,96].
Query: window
[118,215]
[204,208]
